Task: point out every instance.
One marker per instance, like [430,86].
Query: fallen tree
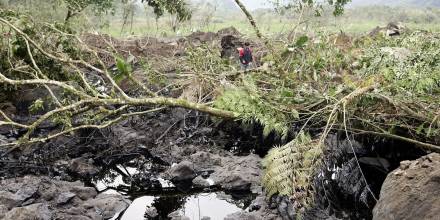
[383,86]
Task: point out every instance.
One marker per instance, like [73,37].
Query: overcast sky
[254,4]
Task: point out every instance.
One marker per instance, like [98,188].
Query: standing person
[245,56]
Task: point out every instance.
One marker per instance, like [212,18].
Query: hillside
[412,3]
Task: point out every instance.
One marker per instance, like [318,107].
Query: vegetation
[386,86]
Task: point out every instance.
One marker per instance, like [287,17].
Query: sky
[254,4]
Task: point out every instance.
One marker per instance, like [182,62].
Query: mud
[177,155]
[227,40]
[184,148]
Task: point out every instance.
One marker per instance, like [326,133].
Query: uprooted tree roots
[365,87]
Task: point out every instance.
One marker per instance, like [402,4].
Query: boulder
[38,211]
[235,182]
[3,210]
[151,213]
[107,205]
[238,174]
[9,200]
[82,192]
[243,216]
[286,208]
[83,167]
[64,197]
[411,191]
[177,216]
[182,172]
[257,204]
[201,182]
[30,198]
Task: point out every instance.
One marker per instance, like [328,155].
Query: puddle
[166,199]
[195,207]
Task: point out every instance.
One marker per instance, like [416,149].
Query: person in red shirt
[245,56]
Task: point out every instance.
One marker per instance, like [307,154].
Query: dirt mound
[229,44]
[229,31]
[229,39]
[140,47]
[198,38]
[411,192]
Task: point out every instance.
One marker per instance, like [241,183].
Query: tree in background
[282,5]
[100,7]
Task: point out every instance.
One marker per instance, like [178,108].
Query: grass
[148,28]
[354,21]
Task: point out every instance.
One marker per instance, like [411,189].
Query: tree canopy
[338,5]
[159,6]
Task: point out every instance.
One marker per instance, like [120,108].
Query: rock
[76,217]
[83,167]
[201,182]
[177,216]
[182,172]
[151,212]
[27,191]
[127,136]
[257,204]
[411,191]
[286,208]
[18,192]
[67,200]
[235,182]
[36,211]
[404,165]
[201,158]
[64,197]
[9,200]
[107,205]
[84,193]
[243,216]
[3,210]
[174,214]
[238,173]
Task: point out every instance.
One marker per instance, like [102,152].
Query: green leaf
[124,70]
[301,42]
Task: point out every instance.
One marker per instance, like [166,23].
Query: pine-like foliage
[289,169]
[252,108]
[271,106]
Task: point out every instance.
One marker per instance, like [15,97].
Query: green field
[353,21]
